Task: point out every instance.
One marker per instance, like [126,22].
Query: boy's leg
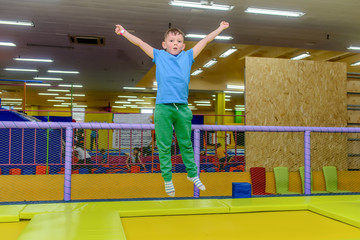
[164,132]
[182,125]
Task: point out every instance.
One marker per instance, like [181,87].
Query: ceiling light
[228,96]
[49,94]
[190,35]
[207,102]
[145,110]
[227,100]
[197,72]
[66,103]
[67,72]
[236,92]
[38,84]
[33,60]
[70,85]
[21,70]
[274,12]
[241,87]
[204,105]
[121,102]
[127,96]
[60,105]
[242,106]
[75,95]
[213,95]
[355,64]
[81,106]
[134,88]
[203,5]
[354,48]
[240,109]
[149,97]
[64,98]
[129,105]
[58,90]
[7,44]
[145,103]
[118,107]
[154,83]
[11,99]
[135,99]
[228,109]
[214,99]
[54,100]
[48,78]
[301,56]
[154,89]
[19,23]
[228,52]
[210,63]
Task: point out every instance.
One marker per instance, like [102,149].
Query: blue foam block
[241,190]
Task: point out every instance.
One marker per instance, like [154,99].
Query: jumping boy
[173,66]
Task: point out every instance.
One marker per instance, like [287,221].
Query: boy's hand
[118,29]
[224,25]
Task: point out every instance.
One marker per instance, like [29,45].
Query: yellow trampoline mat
[256,225]
[11,231]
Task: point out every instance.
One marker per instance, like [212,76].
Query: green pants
[179,116]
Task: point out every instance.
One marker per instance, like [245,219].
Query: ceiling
[326,30]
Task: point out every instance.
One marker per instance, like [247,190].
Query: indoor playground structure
[48,193]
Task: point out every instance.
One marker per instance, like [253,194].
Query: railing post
[307,163]
[68,157]
[197,158]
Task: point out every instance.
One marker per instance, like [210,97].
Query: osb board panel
[353,116]
[353,85]
[294,93]
[354,163]
[353,99]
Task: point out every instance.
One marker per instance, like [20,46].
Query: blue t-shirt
[173,76]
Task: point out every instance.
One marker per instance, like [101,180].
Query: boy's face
[174,44]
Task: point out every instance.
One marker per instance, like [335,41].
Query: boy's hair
[174,31]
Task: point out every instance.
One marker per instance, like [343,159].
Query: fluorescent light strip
[228,109]
[64,98]
[38,84]
[121,102]
[240,109]
[354,48]
[127,96]
[33,60]
[197,72]
[149,97]
[58,90]
[48,78]
[60,105]
[54,100]
[154,83]
[135,99]
[207,102]
[130,105]
[228,52]
[135,88]
[190,35]
[21,70]
[66,72]
[7,44]
[355,64]
[144,103]
[11,103]
[301,56]
[11,99]
[200,5]
[227,100]
[75,95]
[240,87]
[154,89]
[49,94]
[210,63]
[19,23]
[147,110]
[236,92]
[241,106]
[81,106]
[274,12]
[204,105]
[118,107]
[70,85]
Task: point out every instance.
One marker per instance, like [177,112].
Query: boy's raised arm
[120,30]
[203,42]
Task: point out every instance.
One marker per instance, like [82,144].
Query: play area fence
[44,161]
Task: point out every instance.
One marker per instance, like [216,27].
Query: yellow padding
[33,209]
[10,213]
[347,212]
[78,224]
[266,204]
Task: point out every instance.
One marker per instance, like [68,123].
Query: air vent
[92,40]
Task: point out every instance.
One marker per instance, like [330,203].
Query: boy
[173,66]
